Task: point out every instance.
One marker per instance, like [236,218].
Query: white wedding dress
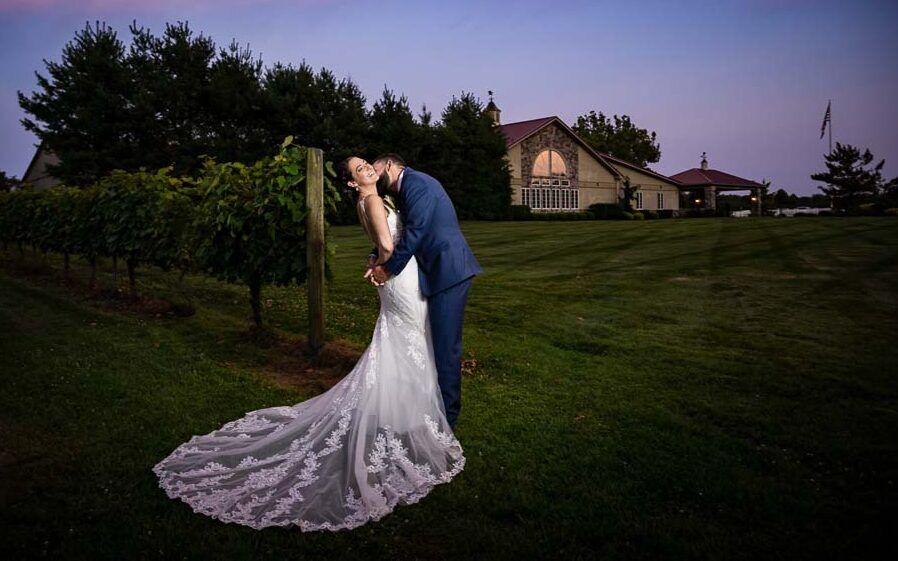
[376,439]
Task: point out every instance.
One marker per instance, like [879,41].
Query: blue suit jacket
[432,235]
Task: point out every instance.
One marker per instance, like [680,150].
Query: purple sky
[745,81]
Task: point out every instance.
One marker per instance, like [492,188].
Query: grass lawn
[674,389]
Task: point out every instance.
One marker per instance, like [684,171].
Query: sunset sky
[747,82]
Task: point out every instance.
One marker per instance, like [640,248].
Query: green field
[674,389]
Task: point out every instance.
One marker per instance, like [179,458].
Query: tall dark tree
[172,97]
[319,111]
[80,109]
[619,137]
[236,107]
[428,142]
[850,179]
[393,128]
[472,164]
[316,109]
[291,101]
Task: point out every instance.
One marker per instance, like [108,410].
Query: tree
[471,163]
[890,194]
[316,109]
[171,100]
[619,137]
[428,142]
[80,109]
[780,198]
[8,182]
[628,194]
[393,128]
[237,131]
[850,181]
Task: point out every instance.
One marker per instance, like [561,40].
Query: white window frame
[660,200]
[639,201]
[551,198]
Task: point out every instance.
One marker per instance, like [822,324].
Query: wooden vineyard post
[315,247]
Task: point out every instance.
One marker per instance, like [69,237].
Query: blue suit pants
[446,310]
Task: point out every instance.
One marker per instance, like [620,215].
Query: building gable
[37,174]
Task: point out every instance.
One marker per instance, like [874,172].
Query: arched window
[550,188]
[549,163]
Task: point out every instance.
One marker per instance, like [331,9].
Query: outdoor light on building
[754,199]
[698,201]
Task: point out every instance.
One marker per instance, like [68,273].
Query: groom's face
[382,169]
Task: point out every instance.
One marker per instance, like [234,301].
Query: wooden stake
[315,247]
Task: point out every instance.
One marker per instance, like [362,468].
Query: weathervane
[491,94]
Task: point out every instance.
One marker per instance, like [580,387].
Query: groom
[446,265]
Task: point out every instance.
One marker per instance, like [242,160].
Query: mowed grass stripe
[663,389]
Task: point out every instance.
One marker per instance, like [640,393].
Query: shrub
[238,222]
[650,214]
[552,216]
[252,221]
[519,212]
[607,211]
[638,216]
[145,217]
[893,211]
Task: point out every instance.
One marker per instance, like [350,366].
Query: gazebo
[699,187]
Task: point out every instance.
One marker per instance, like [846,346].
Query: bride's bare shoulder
[372,203]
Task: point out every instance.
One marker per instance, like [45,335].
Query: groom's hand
[377,275]
[369,276]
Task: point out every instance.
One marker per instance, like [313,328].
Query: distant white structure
[740,213]
[37,174]
[799,210]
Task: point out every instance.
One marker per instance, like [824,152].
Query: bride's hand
[370,277]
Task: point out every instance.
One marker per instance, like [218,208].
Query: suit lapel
[403,190]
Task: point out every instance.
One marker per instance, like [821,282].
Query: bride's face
[362,172]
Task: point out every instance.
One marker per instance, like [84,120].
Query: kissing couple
[384,434]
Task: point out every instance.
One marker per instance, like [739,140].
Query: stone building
[554,170]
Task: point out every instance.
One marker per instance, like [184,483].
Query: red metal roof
[515,132]
[697,177]
[625,163]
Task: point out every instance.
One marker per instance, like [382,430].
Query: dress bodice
[394,222]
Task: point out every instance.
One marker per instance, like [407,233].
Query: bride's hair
[344,174]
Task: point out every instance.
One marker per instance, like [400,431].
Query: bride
[376,439]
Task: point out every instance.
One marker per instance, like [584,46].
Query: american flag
[827,117]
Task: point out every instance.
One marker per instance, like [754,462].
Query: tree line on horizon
[175,99]
[172,100]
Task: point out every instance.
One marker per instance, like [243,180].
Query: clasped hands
[376,274]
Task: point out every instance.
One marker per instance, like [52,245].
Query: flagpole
[830,105]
